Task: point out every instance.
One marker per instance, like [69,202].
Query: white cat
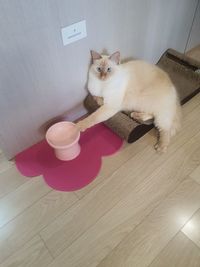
[134,86]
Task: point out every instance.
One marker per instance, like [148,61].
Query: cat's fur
[134,86]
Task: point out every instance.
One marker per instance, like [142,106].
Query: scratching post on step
[184,73]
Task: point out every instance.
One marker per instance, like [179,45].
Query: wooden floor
[142,210]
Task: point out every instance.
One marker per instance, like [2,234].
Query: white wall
[194,38]
[40,78]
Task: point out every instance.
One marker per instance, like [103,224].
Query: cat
[136,86]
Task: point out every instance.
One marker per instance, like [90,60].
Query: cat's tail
[176,123]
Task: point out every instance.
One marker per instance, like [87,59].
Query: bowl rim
[62,146]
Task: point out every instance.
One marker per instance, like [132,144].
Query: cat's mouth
[103,76]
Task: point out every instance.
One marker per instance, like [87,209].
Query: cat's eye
[98,69]
[108,69]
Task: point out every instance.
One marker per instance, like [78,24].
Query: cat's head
[104,67]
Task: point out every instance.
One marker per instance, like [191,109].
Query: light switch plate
[74,32]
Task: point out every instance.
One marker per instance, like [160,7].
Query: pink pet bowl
[64,137]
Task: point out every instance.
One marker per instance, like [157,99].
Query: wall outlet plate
[74,32]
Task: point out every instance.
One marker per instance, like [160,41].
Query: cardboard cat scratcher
[185,74]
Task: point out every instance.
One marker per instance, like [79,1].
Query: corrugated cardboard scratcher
[185,74]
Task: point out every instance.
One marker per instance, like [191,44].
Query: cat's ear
[115,57]
[95,55]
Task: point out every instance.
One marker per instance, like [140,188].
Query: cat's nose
[103,76]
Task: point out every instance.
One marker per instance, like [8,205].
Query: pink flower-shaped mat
[72,175]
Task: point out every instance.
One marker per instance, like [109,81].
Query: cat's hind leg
[163,141]
[164,123]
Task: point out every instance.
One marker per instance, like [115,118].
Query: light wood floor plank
[115,188]
[191,105]
[180,252]
[10,179]
[17,201]
[111,228]
[196,174]
[33,254]
[4,163]
[148,239]
[25,226]
[192,229]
